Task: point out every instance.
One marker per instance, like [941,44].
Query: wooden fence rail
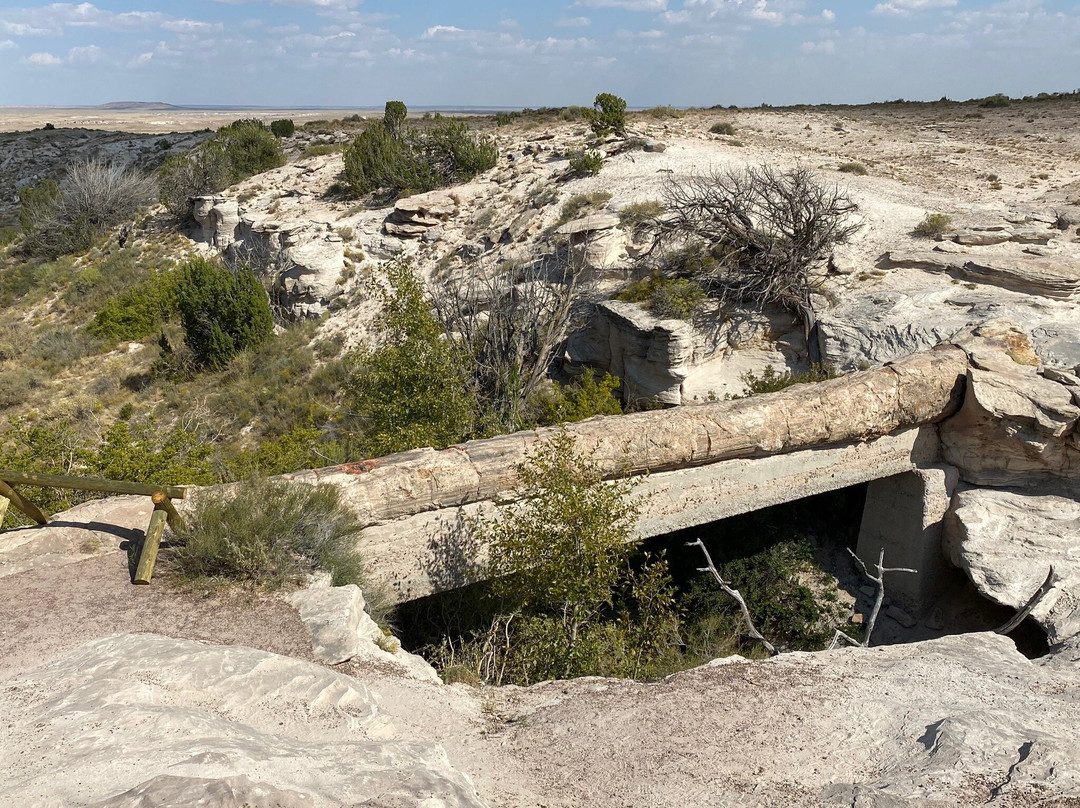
[161,495]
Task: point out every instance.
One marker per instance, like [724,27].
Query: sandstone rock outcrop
[596,240]
[1032,275]
[342,630]
[1006,540]
[135,720]
[218,216]
[419,215]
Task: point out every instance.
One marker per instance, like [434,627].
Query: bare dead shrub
[764,228]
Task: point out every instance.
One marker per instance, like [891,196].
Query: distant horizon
[511,53]
[122,106]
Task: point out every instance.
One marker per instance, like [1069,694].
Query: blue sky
[522,53]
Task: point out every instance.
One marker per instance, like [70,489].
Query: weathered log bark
[919,389]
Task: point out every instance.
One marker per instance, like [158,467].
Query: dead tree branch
[1028,607]
[727,587]
[879,598]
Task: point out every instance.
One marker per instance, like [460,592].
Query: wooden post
[148,555]
[161,500]
[23,504]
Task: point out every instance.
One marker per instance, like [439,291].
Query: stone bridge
[971,413]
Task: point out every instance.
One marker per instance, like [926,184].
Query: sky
[515,53]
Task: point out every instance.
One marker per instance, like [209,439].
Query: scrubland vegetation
[146,366]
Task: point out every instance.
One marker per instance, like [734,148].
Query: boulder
[596,241]
[1006,541]
[1014,429]
[417,215]
[342,630]
[135,720]
[1029,275]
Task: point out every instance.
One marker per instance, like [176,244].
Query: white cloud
[828,15]
[902,8]
[141,59]
[43,60]
[824,46]
[441,31]
[87,54]
[7,44]
[573,22]
[627,5]
[769,12]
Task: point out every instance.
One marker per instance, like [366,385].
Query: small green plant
[607,116]
[586,162]
[678,298]
[639,213]
[222,313]
[283,127]
[577,205]
[997,100]
[852,168]
[933,225]
[722,128]
[585,397]
[267,534]
[663,112]
[770,380]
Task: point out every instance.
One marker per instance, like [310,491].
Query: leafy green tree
[608,115]
[222,313]
[410,391]
[206,169]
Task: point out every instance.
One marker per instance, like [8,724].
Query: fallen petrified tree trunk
[919,389]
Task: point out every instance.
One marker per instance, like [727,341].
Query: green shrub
[137,313]
[395,114]
[584,398]
[774,582]
[293,451]
[640,213]
[996,101]
[411,391]
[321,150]
[852,168]
[400,162]
[35,204]
[453,153]
[586,162]
[268,534]
[579,204]
[771,381]
[376,160]
[221,313]
[933,225]
[284,127]
[678,298]
[250,147]
[607,116]
[722,128]
[663,112]
[571,604]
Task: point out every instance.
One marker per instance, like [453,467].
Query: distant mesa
[136,105]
